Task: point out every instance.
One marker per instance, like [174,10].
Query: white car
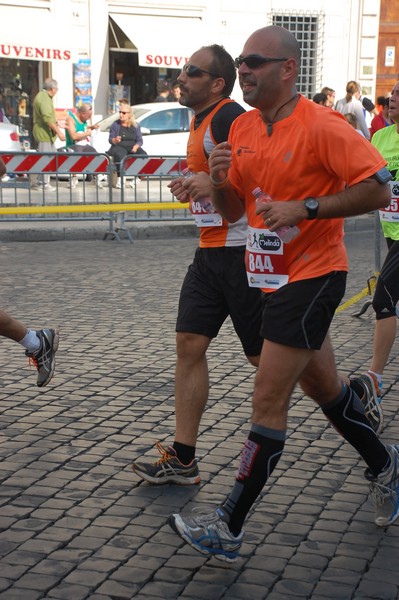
[165,127]
[9,138]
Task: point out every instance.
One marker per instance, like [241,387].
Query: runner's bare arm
[224,198]
[361,198]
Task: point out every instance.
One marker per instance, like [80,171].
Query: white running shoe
[384,490]
[208,534]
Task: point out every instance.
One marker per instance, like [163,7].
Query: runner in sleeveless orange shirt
[215,285]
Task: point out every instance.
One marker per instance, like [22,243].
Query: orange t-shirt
[313,152]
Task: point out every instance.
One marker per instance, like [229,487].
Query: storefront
[31,49]
[144,49]
[89,46]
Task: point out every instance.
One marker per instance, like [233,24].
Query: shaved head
[279,40]
[269,83]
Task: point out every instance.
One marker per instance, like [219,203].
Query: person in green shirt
[45,127]
[77,133]
[386,294]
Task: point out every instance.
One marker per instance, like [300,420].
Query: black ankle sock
[184,453]
[346,413]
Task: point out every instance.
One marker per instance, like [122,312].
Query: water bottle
[286,233]
[205,203]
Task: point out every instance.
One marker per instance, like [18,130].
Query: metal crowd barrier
[144,194]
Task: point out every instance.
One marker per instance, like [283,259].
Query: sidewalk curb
[49,232]
[28,231]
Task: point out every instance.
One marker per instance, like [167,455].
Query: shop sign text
[159,60]
[33,53]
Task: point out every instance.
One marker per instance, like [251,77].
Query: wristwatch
[312,206]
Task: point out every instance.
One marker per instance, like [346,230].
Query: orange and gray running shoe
[44,358]
[168,469]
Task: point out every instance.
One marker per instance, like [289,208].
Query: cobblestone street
[76,523]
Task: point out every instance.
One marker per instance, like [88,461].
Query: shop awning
[29,34]
[162,42]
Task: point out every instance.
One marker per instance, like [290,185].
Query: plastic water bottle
[286,233]
[205,203]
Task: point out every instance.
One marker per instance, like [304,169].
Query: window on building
[308,28]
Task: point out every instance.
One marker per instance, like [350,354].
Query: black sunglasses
[254,61]
[193,71]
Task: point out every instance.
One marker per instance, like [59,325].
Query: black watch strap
[312,207]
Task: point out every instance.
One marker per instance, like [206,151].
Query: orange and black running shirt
[311,153]
[208,129]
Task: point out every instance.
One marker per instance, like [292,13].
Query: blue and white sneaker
[384,490]
[208,534]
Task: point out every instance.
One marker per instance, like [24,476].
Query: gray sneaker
[208,534]
[44,358]
[371,401]
[384,490]
[168,469]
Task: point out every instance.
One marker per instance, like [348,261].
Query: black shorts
[386,294]
[216,286]
[299,314]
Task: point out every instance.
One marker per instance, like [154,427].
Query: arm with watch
[367,195]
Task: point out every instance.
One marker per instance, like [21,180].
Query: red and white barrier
[144,166]
[62,162]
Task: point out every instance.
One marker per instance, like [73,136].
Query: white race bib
[264,259]
[204,213]
[391,214]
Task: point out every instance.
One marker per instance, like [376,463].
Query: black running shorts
[299,314]
[386,294]
[216,286]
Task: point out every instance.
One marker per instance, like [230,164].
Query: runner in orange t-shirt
[302,156]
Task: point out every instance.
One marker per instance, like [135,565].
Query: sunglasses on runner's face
[193,71]
[123,112]
[255,61]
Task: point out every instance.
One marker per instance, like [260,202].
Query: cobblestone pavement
[76,523]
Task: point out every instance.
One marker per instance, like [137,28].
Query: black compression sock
[346,414]
[184,453]
[260,455]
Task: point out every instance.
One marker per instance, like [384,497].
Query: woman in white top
[352,104]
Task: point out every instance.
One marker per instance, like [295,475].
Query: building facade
[99,50]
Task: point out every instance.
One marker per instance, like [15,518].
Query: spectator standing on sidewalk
[382,119]
[45,127]
[330,93]
[286,141]
[174,94]
[320,99]
[162,91]
[351,104]
[216,284]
